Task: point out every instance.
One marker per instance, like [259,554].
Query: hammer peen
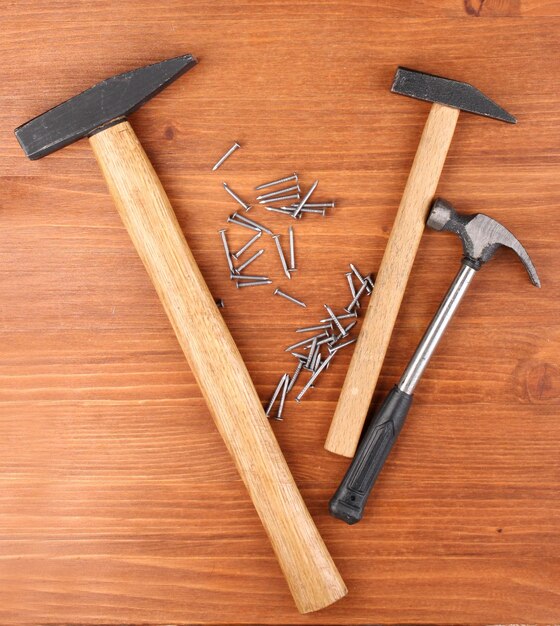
[100,114]
[449,97]
[481,237]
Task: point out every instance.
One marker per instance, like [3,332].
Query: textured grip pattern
[350,499]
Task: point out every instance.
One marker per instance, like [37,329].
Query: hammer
[448,97]
[481,237]
[100,114]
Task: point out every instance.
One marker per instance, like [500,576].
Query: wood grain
[218,367]
[107,450]
[390,284]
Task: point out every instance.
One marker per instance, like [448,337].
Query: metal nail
[341,336]
[305,198]
[350,283]
[319,205]
[305,342]
[316,358]
[282,398]
[358,295]
[314,377]
[255,283]
[291,210]
[351,286]
[278,192]
[220,303]
[309,208]
[251,241]
[226,156]
[290,197]
[335,319]
[295,376]
[247,277]
[356,272]
[361,278]
[311,353]
[249,261]
[292,267]
[317,361]
[298,355]
[281,254]
[341,317]
[234,219]
[308,329]
[226,248]
[254,224]
[279,210]
[286,179]
[236,197]
[342,345]
[275,395]
[277,292]
[322,212]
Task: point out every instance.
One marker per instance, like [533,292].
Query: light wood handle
[373,341]
[218,367]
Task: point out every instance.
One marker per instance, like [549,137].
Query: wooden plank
[107,450]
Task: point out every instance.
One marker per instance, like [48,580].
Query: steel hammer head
[480,235]
[106,103]
[451,93]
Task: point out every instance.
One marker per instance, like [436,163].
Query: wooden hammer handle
[218,367]
[390,283]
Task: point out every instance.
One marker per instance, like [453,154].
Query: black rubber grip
[350,499]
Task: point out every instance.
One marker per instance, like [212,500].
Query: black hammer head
[107,102]
[452,93]
[481,236]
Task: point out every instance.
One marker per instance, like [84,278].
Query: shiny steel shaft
[433,334]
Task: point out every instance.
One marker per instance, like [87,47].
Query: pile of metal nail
[316,352]
[296,211]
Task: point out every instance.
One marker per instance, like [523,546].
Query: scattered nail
[226,248]
[292,267]
[277,292]
[278,192]
[279,181]
[249,261]
[313,378]
[281,255]
[275,394]
[226,156]
[283,398]
[290,197]
[305,198]
[255,283]
[251,241]
[236,197]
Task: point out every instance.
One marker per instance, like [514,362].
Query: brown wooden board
[118,500]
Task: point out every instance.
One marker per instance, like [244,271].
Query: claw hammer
[481,237]
[100,114]
[449,97]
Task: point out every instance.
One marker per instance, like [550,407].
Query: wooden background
[118,502]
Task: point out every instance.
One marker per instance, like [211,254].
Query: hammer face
[452,93]
[109,100]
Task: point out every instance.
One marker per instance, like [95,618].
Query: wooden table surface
[118,501]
